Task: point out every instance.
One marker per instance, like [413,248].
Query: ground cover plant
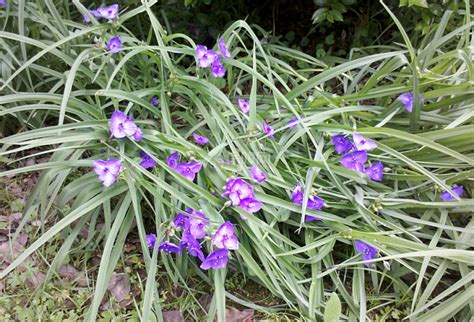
[344,189]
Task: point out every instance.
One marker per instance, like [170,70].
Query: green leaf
[332,312]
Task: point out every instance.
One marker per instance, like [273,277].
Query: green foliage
[62,86]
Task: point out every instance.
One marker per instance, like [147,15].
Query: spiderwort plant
[147,161]
[216,260]
[109,12]
[201,140]
[169,247]
[114,45]
[154,101]
[196,223]
[257,174]
[223,49]
[241,194]
[186,169]
[363,144]
[341,143]
[190,242]
[375,171]
[294,122]
[314,202]
[368,252]
[205,56]
[268,130]
[354,161]
[107,171]
[244,105]
[225,237]
[458,190]
[121,126]
[150,240]
[407,100]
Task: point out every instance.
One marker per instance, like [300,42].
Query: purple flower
[180,220]
[121,125]
[354,161]
[297,194]
[375,171]
[169,248]
[188,169]
[225,237]
[216,260]
[250,205]
[173,159]
[341,143]
[223,49]
[268,130]
[217,70]
[205,57]
[458,190]
[147,161]
[93,13]
[294,122]
[314,202]
[237,189]
[407,100]
[363,144]
[114,45]
[192,244]
[109,12]
[201,140]
[154,101]
[257,174]
[244,105]
[196,223]
[368,252]
[107,170]
[138,136]
[241,194]
[150,240]
[3,3]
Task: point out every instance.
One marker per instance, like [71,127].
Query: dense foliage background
[337,66]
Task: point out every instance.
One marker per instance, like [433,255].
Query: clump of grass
[63,87]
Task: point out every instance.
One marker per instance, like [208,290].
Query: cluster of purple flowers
[3,3]
[121,126]
[314,202]
[194,226]
[111,12]
[356,159]
[186,169]
[241,194]
[108,12]
[209,58]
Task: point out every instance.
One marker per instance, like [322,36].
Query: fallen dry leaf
[173,316]
[71,274]
[35,280]
[119,286]
[234,315]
